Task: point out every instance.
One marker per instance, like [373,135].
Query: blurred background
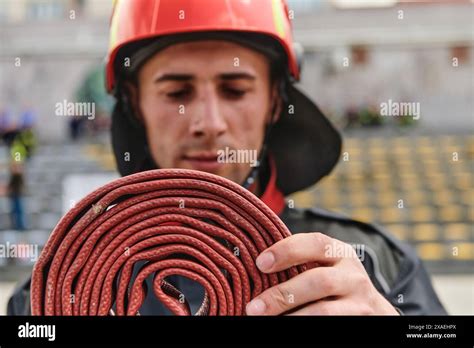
[412,174]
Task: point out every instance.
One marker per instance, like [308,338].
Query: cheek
[163,127]
[248,121]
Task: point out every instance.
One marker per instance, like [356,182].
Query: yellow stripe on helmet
[114,24]
[278,18]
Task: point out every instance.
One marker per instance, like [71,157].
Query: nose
[208,121]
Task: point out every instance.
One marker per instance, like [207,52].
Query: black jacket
[393,266]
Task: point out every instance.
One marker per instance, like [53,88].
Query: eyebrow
[189,77]
[237,76]
[174,77]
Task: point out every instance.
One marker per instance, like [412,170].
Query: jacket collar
[272,196]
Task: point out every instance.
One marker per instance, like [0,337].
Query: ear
[133,97]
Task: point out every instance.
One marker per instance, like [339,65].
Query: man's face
[198,98]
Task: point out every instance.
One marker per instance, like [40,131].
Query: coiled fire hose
[174,221]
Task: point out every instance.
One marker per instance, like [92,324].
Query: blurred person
[19,133]
[19,151]
[26,134]
[15,191]
[76,127]
[232,66]
[351,116]
[22,144]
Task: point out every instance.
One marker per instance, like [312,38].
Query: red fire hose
[173,222]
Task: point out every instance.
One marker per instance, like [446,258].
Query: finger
[339,306]
[307,287]
[301,248]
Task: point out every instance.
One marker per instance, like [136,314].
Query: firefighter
[192,78]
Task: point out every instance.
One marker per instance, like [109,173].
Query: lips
[204,156]
[204,161]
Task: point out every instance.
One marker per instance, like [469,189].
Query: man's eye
[233,92]
[179,94]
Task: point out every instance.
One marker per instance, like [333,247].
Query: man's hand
[339,285]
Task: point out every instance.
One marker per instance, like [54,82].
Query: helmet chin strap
[252,176]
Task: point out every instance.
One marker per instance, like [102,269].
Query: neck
[256,188]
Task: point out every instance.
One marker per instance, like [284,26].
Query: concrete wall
[409,60]
[424,75]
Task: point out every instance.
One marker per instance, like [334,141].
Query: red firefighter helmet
[136,20]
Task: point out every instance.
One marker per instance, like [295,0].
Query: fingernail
[255,307]
[265,261]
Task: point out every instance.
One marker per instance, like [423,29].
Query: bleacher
[43,199]
[419,188]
